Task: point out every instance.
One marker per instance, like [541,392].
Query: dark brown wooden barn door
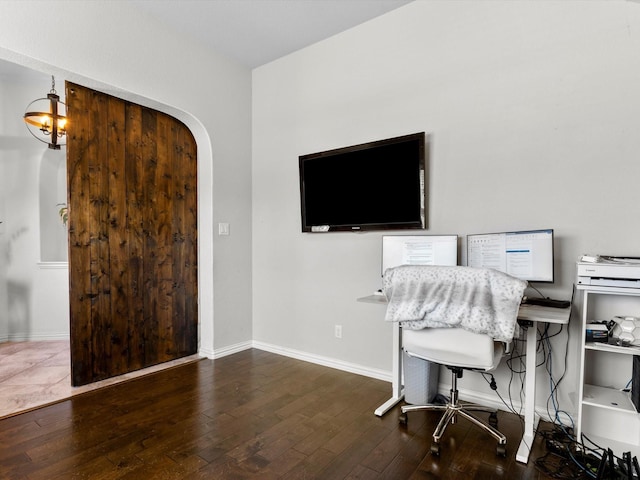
[131,176]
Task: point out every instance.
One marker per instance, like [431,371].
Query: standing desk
[530,316]
[534,314]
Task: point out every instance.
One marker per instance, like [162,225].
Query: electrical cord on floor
[557,466]
[563,460]
[568,457]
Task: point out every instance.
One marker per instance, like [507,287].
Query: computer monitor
[527,255]
[419,250]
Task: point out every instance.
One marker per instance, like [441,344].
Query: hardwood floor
[37,373]
[249,415]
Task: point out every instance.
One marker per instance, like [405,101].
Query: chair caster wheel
[435,449]
[402,419]
[493,419]
[501,450]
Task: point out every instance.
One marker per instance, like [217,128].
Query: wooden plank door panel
[132,180]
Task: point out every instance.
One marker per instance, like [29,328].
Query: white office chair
[458,350]
[453,316]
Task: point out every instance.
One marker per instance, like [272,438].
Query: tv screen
[372,186]
[419,250]
[527,255]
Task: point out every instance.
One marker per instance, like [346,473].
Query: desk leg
[530,419]
[397,393]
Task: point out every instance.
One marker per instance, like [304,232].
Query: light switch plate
[223,229]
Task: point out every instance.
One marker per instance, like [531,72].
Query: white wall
[33,300]
[532,108]
[114,48]
[53,197]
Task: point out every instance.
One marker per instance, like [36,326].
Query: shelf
[606,415]
[609,290]
[609,398]
[617,446]
[605,347]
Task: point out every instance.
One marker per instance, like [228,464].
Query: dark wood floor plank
[324,427]
[362,473]
[312,466]
[348,461]
[386,451]
[251,415]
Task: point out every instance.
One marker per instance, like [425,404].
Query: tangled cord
[568,458]
[563,459]
[558,466]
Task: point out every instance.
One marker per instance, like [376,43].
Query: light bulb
[44,124]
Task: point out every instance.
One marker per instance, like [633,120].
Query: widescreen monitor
[527,255]
[400,250]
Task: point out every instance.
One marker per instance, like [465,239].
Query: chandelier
[46,118]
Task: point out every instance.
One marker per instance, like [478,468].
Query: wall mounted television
[372,186]
[527,255]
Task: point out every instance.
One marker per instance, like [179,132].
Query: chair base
[452,410]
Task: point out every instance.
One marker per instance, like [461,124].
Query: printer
[605,271]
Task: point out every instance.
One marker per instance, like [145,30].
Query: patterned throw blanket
[480,300]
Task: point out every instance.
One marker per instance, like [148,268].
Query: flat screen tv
[527,255]
[373,186]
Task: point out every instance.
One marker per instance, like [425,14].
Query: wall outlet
[337,329]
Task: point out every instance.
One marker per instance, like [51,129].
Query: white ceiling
[255,32]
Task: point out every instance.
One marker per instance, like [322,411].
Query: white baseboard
[33,337]
[324,361]
[487,399]
[224,351]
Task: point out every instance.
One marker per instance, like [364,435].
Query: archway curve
[205,183]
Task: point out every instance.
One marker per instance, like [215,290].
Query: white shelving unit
[606,414]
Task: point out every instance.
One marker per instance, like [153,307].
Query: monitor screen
[527,255]
[419,250]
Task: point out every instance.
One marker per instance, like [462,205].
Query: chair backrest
[479,300]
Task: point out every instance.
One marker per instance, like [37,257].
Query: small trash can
[420,380]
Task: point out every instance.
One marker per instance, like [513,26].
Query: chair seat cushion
[453,346]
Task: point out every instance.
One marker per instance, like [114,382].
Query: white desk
[397,392]
[531,313]
[534,314]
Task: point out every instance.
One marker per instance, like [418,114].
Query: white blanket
[480,300]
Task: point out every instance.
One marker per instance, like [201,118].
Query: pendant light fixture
[46,119]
